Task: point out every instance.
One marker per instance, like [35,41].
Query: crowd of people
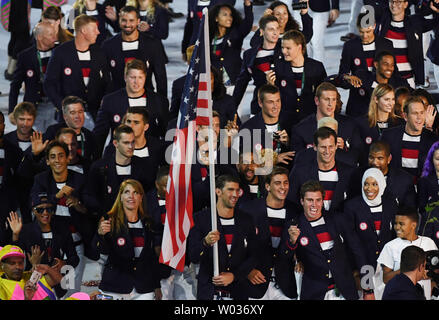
[339,203]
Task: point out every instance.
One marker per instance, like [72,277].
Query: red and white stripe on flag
[202,101]
[179,221]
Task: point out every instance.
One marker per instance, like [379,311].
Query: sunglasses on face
[50,210]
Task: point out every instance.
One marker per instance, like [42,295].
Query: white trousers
[356,6]
[181,285]
[316,47]
[133,295]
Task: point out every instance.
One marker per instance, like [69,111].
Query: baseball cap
[11,251]
[79,296]
[40,198]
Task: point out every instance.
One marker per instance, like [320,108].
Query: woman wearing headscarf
[369,218]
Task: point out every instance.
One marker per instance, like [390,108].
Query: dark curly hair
[213,14]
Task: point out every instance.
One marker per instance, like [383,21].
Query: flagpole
[210,142]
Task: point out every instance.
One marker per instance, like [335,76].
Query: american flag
[194,110]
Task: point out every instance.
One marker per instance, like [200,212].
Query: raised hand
[38,145]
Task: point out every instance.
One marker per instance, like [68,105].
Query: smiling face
[224,18]
[385,67]
[130,198]
[229,195]
[43,213]
[379,160]
[386,103]
[25,121]
[247,168]
[312,204]
[397,7]
[128,22]
[281,13]
[326,149]
[74,116]
[371,188]
[404,227]
[415,118]
[278,187]
[57,160]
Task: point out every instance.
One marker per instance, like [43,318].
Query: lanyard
[40,64]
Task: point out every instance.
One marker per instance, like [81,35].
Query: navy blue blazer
[307,31]
[428,191]
[103,23]
[62,242]
[123,272]
[257,122]
[64,77]
[158,215]
[310,171]
[27,72]
[394,136]
[296,107]
[433,49]
[308,155]
[429,227]
[103,182]
[323,5]
[268,257]
[114,107]
[250,72]
[230,57]
[240,260]
[193,19]
[369,135]
[315,280]
[359,98]
[415,26]
[44,183]
[401,287]
[360,224]
[399,185]
[90,150]
[147,52]
[302,134]
[17,186]
[176,95]
[353,57]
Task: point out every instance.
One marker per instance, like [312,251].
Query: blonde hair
[381,90]
[151,7]
[117,213]
[80,5]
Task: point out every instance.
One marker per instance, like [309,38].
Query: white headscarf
[379,177]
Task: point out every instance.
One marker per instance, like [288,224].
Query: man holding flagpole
[237,245]
[195,109]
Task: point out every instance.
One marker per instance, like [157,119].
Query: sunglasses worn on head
[41,210]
